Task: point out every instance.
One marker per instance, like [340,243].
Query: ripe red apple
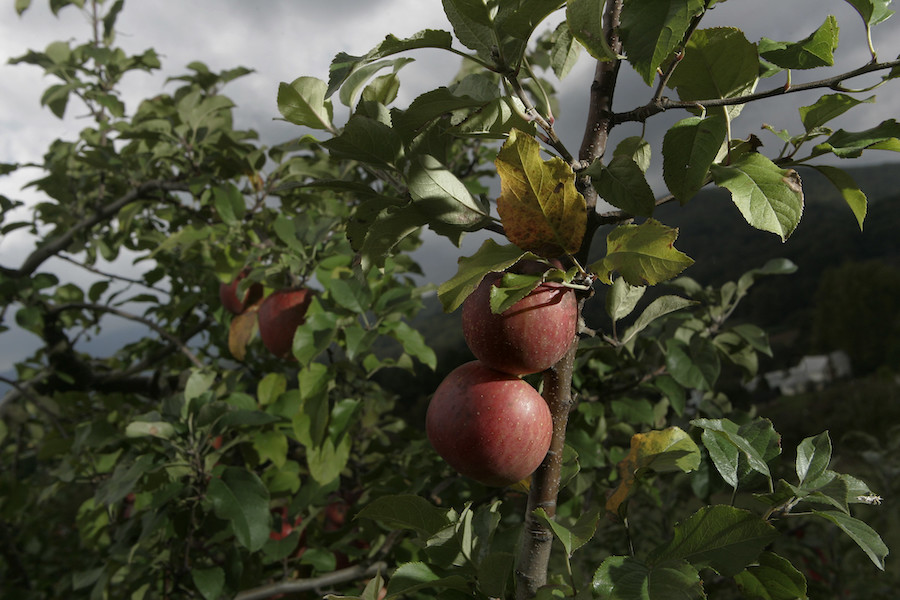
[228,295]
[488,425]
[279,316]
[530,336]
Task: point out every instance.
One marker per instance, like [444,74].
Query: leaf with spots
[541,210]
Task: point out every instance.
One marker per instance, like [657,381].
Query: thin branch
[108,211]
[532,112]
[97,271]
[657,106]
[314,583]
[126,315]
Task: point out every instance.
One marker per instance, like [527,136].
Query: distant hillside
[715,235]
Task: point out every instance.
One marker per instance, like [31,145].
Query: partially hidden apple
[280,314]
[228,295]
[490,426]
[530,336]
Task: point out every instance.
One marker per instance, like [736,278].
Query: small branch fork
[661,104]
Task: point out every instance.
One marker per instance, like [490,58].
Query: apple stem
[537,538]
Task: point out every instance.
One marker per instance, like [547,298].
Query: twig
[126,315]
[656,106]
[58,244]
[314,583]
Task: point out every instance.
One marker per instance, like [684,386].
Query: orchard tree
[200,460]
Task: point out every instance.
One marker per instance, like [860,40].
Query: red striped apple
[490,426]
[530,336]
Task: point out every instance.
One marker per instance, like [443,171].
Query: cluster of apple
[484,419]
[279,314]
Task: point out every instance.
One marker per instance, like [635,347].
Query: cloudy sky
[283,39]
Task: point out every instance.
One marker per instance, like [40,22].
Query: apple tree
[202,460]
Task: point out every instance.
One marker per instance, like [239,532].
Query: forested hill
[715,235]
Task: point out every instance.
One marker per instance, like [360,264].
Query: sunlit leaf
[241,331]
[770,198]
[643,254]
[541,210]
[302,102]
[585,19]
[816,50]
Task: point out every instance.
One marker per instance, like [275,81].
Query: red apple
[530,336]
[228,294]
[279,316]
[488,425]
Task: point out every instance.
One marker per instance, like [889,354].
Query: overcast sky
[283,39]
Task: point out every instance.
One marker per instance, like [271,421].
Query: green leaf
[643,254]
[827,108]
[414,576]
[413,343]
[472,24]
[813,458]
[622,297]
[627,578]
[515,23]
[229,203]
[367,140]
[729,432]
[22,6]
[689,149]
[658,308]
[637,149]
[490,257]
[724,454]
[210,582]
[769,198]
[844,182]
[653,29]
[585,20]
[199,381]
[851,144]
[873,12]
[406,512]
[717,63]
[816,50]
[622,183]
[576,536]
[302,102]
[350,293]
[271,445]
[328,460]
[772,578]
[360,76]
[722,538]
[864,536]
[238,496]
[344,65]
[314,336]
[695,364]
[442,197]
[270,388]
[540,208]
[565,50]
[383,228]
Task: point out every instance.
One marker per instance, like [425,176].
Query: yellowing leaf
[663,451]
[243,328]
[541,210]
[644,254]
